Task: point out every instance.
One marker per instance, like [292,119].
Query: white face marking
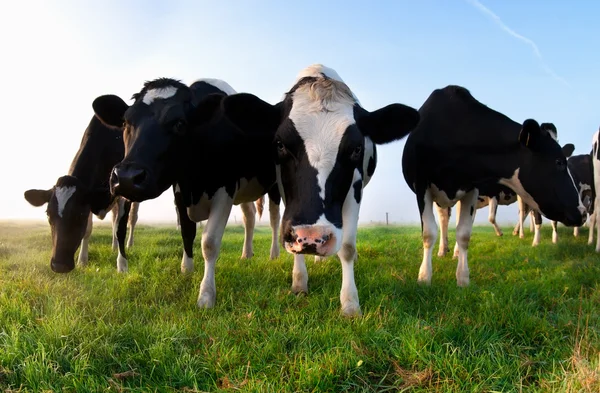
[63,194]
[321,133]
[161,93]
[219,84]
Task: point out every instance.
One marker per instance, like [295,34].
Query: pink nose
[312,240]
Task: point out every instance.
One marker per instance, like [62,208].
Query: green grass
[529,321]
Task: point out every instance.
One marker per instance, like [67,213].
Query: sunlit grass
[529,321]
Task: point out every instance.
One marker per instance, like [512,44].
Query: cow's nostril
[139,178]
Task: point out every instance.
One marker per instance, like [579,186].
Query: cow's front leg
[274,220]
[299,275]
[122,265]
[82,259]
[493,211]
[347,254]
[188,233]
[212,236]
[537,234]
[555,231]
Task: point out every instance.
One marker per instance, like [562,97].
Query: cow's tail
[260,204]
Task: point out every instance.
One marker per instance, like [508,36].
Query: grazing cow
[85,191]
[489,195]
[460,146]
[176,134]
[324,144]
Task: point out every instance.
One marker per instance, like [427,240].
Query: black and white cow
[324,145]
[489,195]
[85,191]
[595,219]
[535,216]
[461,145]
[176,134]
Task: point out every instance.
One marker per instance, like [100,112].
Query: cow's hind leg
[212,237]
[429,233]
[538,228]
[466,211]
[591,226]
[133,218]
[554,225]
[493,210]
[249,218]
[82,259]
[444,217]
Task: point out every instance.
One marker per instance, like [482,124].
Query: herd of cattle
[315,150]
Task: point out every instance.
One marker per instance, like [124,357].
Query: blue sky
[524,58]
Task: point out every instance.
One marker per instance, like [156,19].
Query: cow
[84,192]
[490,195]
[324,144]
[175,134]
[535,216]
[461,145]
[594,219]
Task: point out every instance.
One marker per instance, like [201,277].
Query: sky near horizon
[527,59]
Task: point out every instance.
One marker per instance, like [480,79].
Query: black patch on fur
[472,210]
[357,190]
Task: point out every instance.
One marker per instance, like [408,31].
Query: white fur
[211,246]
[63,194]
[317,70]
[122,263]
[514,183]
[299,275]
[249,218]
[441,198]
[321,132]
[187,263]
[219,84]
[248,190]
[430,232]
[160,93]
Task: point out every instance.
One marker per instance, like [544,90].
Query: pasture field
[529,321]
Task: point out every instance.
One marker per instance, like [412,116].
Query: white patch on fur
[248,191]
[219,84]
[279,183]
[515,184]
[63,194]
[441,198]
[368,154]
[581,207]
[160,93]
[201,210]
[177,189]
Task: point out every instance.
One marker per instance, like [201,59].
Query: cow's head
[69,206]
[156,127]
[324,150]
[545,176]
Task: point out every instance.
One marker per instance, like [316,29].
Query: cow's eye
[179,127]
[561,164]
[280,146]
[356,152]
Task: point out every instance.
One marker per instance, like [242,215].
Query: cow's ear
[38,197]
[110,109]
[387,124]
[251,114]
[206,108]
[530,134]
[550,128]
[568,149]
